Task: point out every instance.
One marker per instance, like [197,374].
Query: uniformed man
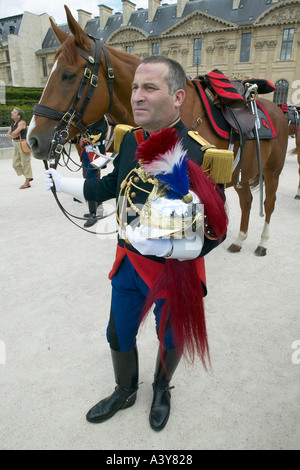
[150,269]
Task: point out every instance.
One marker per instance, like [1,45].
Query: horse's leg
[245,198]
[271,185]
[298,157]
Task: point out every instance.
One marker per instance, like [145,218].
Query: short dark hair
[176,77]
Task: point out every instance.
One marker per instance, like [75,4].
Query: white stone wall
[22,49]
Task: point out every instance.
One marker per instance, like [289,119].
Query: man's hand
[52,176]
[151,247]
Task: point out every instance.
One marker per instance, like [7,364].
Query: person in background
[21,160]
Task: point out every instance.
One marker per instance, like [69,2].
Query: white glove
[151,247]
[56,177]
[72,186]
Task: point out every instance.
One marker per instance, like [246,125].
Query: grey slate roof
[10,25]
[165,17]
[247,13]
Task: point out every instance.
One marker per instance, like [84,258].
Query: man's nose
[138,95]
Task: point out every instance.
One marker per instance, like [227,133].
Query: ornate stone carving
[210,49]
[197,22]
[126,35]
[262,44]
[282,14]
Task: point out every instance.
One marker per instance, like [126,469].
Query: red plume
[158,144]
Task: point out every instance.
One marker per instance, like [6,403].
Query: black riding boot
[92,218]
[160,409]
[126,371]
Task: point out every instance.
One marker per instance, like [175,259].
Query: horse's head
[65,106]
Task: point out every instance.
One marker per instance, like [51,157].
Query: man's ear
[179,96]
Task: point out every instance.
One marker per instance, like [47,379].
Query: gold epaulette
[217,162]
[120,131]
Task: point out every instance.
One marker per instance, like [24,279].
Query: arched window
[281,92]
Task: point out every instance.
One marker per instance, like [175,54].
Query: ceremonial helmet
[171,210]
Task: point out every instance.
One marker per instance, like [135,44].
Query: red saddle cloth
[225,92]
[221,126]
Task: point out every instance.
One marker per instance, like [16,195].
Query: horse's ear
[81,38]
[59,33]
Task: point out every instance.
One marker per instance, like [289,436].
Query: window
[197,51]
[155,48]
[245,47]
[44,65]
[9,75]
[281,92]
[129,49]
[287,44]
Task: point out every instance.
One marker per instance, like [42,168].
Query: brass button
[136,179]
[133,195]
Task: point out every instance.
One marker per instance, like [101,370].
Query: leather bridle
[72,116]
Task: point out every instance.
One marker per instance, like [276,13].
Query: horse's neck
[124,67]
[193,114]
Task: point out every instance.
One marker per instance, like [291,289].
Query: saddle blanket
[291,112]
[266,130]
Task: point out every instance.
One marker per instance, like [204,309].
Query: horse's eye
[67,76]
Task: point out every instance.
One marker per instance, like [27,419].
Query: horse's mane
[68,51]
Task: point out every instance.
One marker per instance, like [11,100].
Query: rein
[74,117]
[68,215]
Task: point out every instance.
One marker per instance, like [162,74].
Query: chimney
[104,13]
[235,4]
[128,9]
[180,7]
[152,7]
[83,17]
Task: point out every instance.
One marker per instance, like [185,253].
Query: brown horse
[294,130]
[66,78]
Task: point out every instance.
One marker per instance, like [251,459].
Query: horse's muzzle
[40,141]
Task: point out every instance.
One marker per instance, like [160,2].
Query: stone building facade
[20,37]
[242,38]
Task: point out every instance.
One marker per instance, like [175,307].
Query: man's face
[152,105]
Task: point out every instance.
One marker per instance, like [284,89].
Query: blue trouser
[91,172]
[129,293]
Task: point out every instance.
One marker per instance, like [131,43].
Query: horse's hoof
[234,248]
[260,251]
[297,196]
